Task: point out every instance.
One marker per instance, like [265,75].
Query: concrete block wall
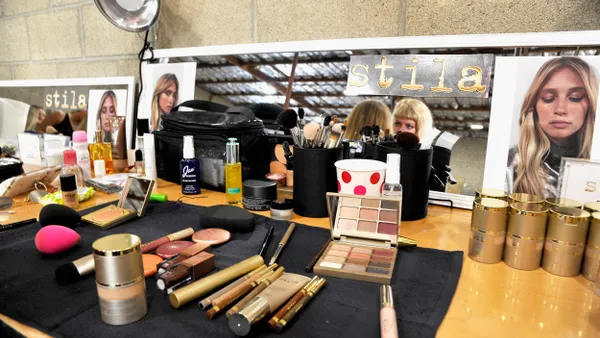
[70,38]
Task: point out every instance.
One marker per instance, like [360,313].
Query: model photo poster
[166,86]
[543,110]
[102,105]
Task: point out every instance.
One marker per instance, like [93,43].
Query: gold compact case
[525,235]
[488,229]
[592,249]
[491,193]
[565,241]
[562,202]
[364,232]
[525,198]
[132,203]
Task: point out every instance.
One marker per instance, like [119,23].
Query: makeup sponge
[227,217]
[59,214]
[53,239]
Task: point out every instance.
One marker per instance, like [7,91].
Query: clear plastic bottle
[233,172]
[70,167]
[80,146]
[392,186]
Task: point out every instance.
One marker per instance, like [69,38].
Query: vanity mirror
[315,75]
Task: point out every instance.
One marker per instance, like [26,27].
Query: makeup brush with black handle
[407,141]
[288,119]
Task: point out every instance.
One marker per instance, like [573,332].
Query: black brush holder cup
[415,169]
[314,176]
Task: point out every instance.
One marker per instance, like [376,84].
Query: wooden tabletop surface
[491,300]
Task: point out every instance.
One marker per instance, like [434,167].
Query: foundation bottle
[120,278]
[101,151]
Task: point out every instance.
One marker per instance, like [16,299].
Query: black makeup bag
[211,125]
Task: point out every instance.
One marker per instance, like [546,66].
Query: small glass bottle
[102,151]
[80,146]
[71,177]
[392,186]
[233,172]
[139,162]
[189,168]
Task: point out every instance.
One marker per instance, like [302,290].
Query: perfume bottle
[233,172]
[392,186]
[189,168]
[102,151]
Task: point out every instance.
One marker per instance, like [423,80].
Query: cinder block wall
[70,38]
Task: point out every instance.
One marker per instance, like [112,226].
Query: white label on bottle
[83,160]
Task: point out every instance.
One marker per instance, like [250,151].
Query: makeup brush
[310,133]
[341,138]
[289,119]
[300,118]
[365,133]
[407,141]
[334,136]
[324,129]
[376,131]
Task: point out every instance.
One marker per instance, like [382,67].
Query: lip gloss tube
[387,314]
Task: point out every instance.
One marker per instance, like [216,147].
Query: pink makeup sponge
[53,239]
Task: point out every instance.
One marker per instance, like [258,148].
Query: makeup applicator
[310,133]
[407,141]
[334,136]
[321,136]
[300,118]
[289,119]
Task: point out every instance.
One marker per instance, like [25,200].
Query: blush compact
[132,203]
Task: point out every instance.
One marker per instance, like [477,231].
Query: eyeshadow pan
[338,247]
[346,224]
[389,205]
[352,267]
[367,226]
[388,216]
[359,255]
[379,265]
[383,252]
[336,253]
[334,259]
[362,250]
[356,261]
[355,202]
[349,212]
[386,228]
[368,214]
[331,265]
[381,258]
[375,270]
[370,203]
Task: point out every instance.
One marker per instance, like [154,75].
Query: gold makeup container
[525,198]
[562,202]
[591,261]
[565,241]
[120,278]
[488,229]
[525,235]
[491,193]
[592,206]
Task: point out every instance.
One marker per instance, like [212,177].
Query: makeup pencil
[295,299]
[265,281]
[312,263]
[206,302]
[17,224]
[266,241]
[282,243]
[232,295]
[289,315]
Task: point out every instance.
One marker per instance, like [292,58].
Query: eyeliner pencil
[4,227]
[282,243]
[266,241]
[312,263]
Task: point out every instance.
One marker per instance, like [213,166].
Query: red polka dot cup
[360,177]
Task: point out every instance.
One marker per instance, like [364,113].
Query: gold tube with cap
[525,235]
[488,228]
[565,241]
[525,198]
[201,287]
[562,202]
[592,207]
[491,193]
[592,249]
[120,278]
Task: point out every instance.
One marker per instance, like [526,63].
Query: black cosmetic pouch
[210,129]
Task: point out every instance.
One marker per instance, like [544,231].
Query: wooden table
[490,301]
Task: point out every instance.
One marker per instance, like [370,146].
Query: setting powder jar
[120,278]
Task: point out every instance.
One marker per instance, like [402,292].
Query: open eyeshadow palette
[364,234]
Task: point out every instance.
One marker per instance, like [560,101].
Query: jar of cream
[282,210]
[120,278]
[525,235]
[258,194]
[488,229]
[592,249]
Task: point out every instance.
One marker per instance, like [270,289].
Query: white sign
[580,180]
[30,148]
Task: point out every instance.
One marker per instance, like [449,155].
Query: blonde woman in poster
[556,120]
[164,98]
[106,110]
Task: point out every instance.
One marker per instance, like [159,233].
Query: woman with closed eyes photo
[556,120]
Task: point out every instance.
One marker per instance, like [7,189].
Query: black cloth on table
[423,284]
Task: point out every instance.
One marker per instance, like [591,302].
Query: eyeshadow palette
[364,238]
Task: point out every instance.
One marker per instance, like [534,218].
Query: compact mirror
[136,194]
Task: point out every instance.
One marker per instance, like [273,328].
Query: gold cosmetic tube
[486,246]
[592,249]
[120,278]
[565,241]
[488,227]
[525,235]
[525,198]
[592,206]
[562,202]
[491,193]
[201,287]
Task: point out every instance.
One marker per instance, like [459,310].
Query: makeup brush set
[327,135]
